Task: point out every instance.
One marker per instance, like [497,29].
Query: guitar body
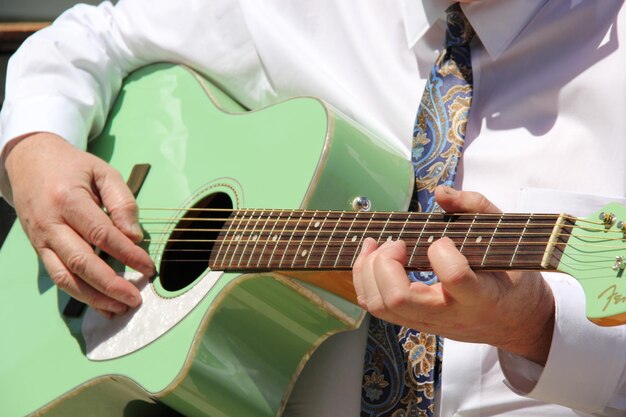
[239,351]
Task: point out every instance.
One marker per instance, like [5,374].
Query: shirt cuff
[585,362]
[56,115]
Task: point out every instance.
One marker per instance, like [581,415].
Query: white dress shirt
[546,134]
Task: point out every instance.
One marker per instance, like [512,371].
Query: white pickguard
[123,334]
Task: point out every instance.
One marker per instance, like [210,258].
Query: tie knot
[459,30]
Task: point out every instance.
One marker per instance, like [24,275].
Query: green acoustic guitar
[280,200]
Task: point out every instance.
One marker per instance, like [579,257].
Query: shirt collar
[496,22]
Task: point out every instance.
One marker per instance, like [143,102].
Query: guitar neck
[331,240]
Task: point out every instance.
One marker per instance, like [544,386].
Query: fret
[482,263]
[223,238]
[419,238]
[238,216]
[243,238]
[445,229]
[270,236]
[280,237]
[345,239]
[469,231]
[254,237]
[407,218]
[280,263]
[384,229]
[332,239]
[519,242]
[320,227]
[363,235]
[257,236]
[304,252]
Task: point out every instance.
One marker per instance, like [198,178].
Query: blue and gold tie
[403,366]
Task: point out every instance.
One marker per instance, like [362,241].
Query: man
[545,77]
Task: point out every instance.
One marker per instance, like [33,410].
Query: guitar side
[239,351]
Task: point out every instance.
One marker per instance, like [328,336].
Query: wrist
[15,149]
[534,338]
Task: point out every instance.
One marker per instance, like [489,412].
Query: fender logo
[612,296]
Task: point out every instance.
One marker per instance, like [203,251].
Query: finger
[119,201]
[386,265]
[454,201]
[391,279]
[86,218]
[457,278]
[358,270]
[80,259]
[105,313]
[77,288]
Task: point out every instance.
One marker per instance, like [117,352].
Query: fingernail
[132,301]
[449,190]
[136,231]
[107,314]
[148,270]
[118,308]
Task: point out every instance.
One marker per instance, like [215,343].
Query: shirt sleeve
[65,78]
[586,364]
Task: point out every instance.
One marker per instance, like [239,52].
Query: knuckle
[123,208]
[376,306]
[456,274]
[38,224]
[61,279]
[60,195]
[357,269]
[92,299]
[77,263]
[131,257]
[483,204]
[396,299]
[99,235]
[110,287]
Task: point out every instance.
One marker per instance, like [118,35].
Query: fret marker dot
[354,238]
[389,239]
[254,237]
[275,238]
[430,239]
[317,224]
[237,237]
[479,239]
[304,252]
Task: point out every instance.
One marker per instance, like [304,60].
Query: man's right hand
[59,193]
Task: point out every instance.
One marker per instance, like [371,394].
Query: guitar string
[324,249]
[303,212]
[331,221]
[408,233]
[505,265]
[313,211]
[275,218]
[405,234]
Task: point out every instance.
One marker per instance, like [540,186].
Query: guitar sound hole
[186,254]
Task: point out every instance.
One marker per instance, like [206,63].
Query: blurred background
[18,20]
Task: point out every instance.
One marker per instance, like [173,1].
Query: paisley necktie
[403,366]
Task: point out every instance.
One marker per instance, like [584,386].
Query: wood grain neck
[331,240]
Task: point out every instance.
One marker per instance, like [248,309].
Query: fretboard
[331,240]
